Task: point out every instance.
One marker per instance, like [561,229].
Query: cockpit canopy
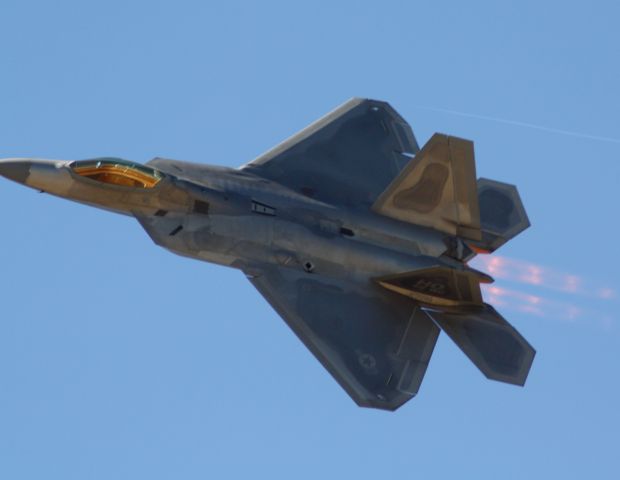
[116,171]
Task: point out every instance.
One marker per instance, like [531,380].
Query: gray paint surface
[357,242]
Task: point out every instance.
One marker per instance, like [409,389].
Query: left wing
[375,343]
[348,157]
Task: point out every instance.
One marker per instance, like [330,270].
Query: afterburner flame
[537,275]
[544,278]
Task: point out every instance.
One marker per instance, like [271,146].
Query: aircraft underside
[356,237]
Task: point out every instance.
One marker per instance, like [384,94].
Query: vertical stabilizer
[437,189]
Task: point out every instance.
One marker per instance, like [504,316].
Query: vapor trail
[523,124]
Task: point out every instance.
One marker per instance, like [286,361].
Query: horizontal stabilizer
[502,215]
[490,342]
[437,189]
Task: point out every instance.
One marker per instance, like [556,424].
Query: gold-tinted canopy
[116,171]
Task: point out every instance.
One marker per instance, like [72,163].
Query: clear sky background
[119,360]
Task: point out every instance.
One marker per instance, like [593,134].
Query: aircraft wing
[375,343]
[348,157]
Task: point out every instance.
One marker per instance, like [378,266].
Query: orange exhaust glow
[541,304]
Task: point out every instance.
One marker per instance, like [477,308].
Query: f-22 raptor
[358,238]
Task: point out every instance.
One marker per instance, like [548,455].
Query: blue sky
[120,360]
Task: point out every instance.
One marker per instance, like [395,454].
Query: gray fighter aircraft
[357,238]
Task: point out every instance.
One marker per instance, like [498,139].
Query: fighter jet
[358,238]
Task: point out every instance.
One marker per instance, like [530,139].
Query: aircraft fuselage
[236,219]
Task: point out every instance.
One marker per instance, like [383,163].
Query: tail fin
[439,286]
[437,189]
[502,215]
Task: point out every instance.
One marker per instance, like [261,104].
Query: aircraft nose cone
[16,170]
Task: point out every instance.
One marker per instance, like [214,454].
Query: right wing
[375,343]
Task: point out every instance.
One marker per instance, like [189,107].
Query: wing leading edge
[375,343]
